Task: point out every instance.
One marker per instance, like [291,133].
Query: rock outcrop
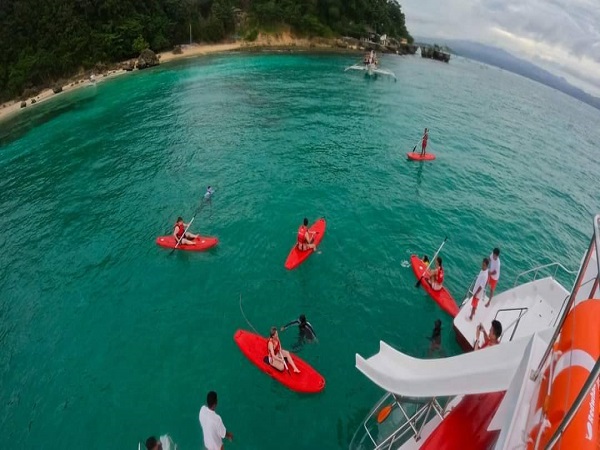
[58,87]
[23,104]
[147,59]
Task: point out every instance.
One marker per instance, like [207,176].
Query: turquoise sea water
[105,338]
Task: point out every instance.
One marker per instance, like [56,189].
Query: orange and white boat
[536,391]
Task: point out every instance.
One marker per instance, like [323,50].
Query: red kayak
[296,256]
[200,244]
[442,297]
[308,381]
[413,156]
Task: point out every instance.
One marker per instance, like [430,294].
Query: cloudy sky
[562,36]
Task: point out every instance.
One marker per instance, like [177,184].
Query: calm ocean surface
[106,339]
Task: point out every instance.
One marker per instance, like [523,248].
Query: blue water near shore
[106,338]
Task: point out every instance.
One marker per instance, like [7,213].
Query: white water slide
[487,370]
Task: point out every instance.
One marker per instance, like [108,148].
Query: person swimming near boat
[436,275]
[489,339]
[436,337]
[182,236]
[278,357]
[304,327]
[209,192]
[305,237]
[424,140]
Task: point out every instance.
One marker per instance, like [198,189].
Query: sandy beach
[283,41]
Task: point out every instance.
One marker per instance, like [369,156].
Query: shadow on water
[21,123]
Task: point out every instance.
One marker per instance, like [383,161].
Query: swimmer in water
[209,192]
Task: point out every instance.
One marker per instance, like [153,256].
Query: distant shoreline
[282,43]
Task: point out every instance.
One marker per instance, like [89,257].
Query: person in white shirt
[494,273]
[212,426]
[479,288]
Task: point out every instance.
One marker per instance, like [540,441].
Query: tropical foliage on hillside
[43,40]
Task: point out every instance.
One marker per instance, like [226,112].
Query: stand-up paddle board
[200,244]
[308,381]
[413,156]
[297,256]
[441,297]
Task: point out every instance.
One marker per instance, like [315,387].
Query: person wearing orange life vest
[436,276]
[305,237]
[180,233]
[277,354]
[490,339]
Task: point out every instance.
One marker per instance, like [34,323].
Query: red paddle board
[297,256]
[200,244]
[418,157]
[441,297]
[308,381]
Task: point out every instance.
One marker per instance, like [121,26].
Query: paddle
[432,260]
[415,147]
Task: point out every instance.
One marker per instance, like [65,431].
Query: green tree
[140,44]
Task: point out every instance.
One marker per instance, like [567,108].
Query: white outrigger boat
[370,66]
[538,389]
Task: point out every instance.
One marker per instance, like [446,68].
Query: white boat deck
[522,310]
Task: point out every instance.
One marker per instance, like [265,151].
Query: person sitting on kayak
[180,233]
[490,339]
[424,140]
[279,357]
[436,276]
[305,237]
[425,261]
[306,330]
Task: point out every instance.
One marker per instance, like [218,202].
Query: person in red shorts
[479,288]
[494,273]
[424,140]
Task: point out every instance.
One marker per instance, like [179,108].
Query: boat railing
[514,324]
[411,425]
[545,269]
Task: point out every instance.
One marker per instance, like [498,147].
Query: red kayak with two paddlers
[441,297]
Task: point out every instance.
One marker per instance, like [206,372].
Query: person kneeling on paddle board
[277,354]
[305,237]
[436,276]
[180,233]
[306,330]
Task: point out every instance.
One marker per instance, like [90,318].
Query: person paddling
[305,328]
[277,354]
[305,237]
[436,275]
[424,140]
[181,235]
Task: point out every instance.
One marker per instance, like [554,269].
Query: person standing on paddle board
[494,273]
[479,288]
[306,330]
[277,354]
[436,276]
[180,233]
[424,140]
[213,429]
[305,237]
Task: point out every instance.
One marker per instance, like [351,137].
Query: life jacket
[276,347]
[180,230]
[440,275]
[302,234]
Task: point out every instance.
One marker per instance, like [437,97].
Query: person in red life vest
[424,140]
[479,287]
[277,354]
[494,273]
[490,339]
[180,233]
[436,276]
[305,237]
